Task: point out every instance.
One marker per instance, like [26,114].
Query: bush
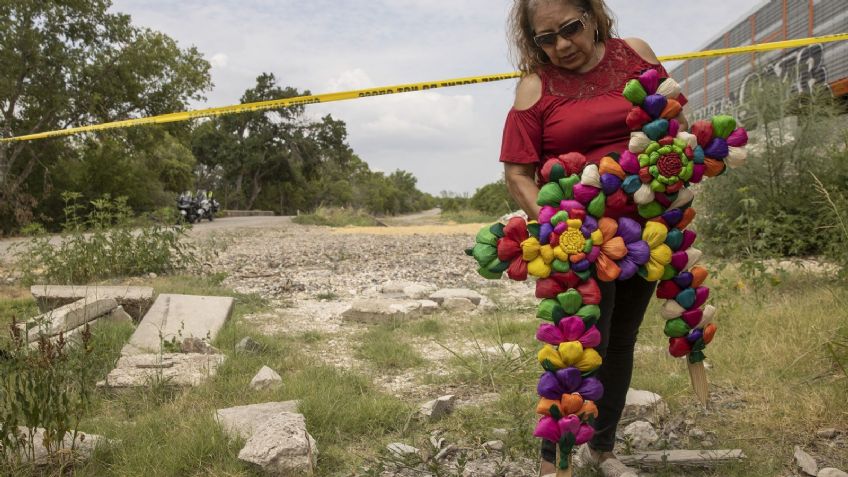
[493,199]
[337,217]
[103,244]
[771,207]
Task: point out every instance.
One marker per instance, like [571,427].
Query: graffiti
[802,70]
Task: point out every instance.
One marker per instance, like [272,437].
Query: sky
[448,138]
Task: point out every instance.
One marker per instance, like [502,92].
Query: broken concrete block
[177,317]
[380,310]
[135,300]
[83,445]
[437,408]
[68,317]
[242,421]
[118,315]
[644,404]
[445,293]
[266,378]
[281,446]
[458,304]
[641,434]
[401,450]
[173,369]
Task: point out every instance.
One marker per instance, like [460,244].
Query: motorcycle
[188,208]
[207,206]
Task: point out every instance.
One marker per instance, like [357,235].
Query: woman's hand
[521,183]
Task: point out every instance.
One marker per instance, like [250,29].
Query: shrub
[102,244]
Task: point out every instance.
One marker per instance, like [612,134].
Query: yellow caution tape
[383,90]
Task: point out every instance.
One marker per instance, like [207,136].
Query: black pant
[623,306]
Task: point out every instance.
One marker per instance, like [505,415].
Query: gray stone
[494,445]
[243,421]
[134,300]
[806,462]
[697,433]
[118,315]
[248,345]
[428,306]
[83,444]
[281,446]
[445,293]
[458,304]
[176,317]
[438,408]
[644,404]
[401,450]
[174,369]
[69,317]
[197,345]
[827,433]
[641,434]
[380,310]
[831,472]
[406,289]
[266,378]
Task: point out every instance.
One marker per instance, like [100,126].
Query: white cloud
[219,60]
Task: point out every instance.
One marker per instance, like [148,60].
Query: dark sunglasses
[566,31]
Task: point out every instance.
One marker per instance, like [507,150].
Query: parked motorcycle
[207,205]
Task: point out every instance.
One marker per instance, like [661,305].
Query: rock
[827,433]
[500,433]
[445,293]
[84,444]
[68,317]
[243,421]
[494,445]
[458,304]
[401,450]
[266,378]
[673,439]
[176,317]
[831,472]
[248,345]
[641,434]
[697,433]
[518,213]
[428,306]
[174,369]
[486,305]
[806,462]
[152,275]
[281,446]
[438,408]
[197,345]
[134,300]
[644,404]
[417,291]
[380,310]
[118,315]
[510,350]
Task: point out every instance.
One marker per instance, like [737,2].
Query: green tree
[72,62]
[493,199]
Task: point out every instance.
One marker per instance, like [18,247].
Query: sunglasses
[567,31]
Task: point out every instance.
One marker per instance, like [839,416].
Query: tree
[65,63]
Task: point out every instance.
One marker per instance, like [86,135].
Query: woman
[569,100]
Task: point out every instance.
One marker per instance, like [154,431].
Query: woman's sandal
[610,467]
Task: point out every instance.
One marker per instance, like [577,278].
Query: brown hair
[525,54]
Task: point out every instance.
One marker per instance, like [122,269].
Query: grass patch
[468,216]
[337,217]
[385,348]
[428,327]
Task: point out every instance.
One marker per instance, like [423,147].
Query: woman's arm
[521,183]
[521,177]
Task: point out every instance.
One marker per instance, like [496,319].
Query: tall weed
[103,243]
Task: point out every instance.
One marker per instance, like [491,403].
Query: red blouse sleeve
[522,136]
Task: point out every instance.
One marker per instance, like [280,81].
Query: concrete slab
[135,300]
[175,369]
[69,317]
[177,317]
[242,421]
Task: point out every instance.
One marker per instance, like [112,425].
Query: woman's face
[576,53]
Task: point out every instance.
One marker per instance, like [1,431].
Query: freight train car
[720,84]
